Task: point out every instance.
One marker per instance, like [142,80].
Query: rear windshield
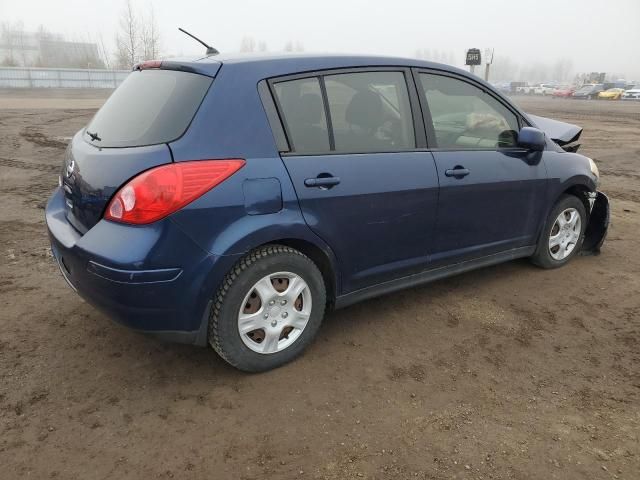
[150,107]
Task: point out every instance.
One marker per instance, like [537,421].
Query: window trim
[327,114]
[273,116]
[419,136]
[428,121]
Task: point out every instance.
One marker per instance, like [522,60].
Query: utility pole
[488,58]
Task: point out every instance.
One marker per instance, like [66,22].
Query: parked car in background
[611,94]
[632,94]
[563,91]
[536,89]
[514,86]
[231,201]
[544,89]
[588,91]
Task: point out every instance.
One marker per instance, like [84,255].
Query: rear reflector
[159,192]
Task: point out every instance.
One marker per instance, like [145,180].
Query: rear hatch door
[127,136]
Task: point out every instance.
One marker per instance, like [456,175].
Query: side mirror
[532,139]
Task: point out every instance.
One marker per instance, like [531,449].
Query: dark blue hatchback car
[232,201]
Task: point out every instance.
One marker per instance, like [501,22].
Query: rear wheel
[268,309]
[563,233]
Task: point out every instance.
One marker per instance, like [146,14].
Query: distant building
[41,49]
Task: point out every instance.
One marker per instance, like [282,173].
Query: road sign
[473,57]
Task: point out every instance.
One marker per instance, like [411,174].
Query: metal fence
[17,77]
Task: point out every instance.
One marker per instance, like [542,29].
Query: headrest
[365,110]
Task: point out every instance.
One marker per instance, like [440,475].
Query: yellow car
[611,94]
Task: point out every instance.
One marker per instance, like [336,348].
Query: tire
[546,256]
[256,286]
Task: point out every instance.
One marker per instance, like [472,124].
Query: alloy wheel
[565,234]
[274,312]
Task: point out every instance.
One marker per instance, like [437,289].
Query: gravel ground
[510,372]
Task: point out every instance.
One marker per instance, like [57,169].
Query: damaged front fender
[562,133]
[598,225]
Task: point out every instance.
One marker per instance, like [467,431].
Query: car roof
[319,58]
[269,64]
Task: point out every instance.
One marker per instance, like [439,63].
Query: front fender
[580,180]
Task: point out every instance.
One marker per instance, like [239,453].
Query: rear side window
[303,110]
[370,112]
[150,107]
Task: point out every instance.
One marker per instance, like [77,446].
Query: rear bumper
[151,278]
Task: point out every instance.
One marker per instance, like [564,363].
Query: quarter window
[303,110]
[370,112]
[465,117]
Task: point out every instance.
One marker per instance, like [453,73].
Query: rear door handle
[457,172]
[322,182]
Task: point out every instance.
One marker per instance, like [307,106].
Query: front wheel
[268,309]
[563,233]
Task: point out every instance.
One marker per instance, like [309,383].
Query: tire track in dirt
[621,174]
[41,167]
[42,140]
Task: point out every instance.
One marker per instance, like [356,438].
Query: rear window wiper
[94,136]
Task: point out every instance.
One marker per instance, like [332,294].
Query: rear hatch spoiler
[564,134]
[203,66]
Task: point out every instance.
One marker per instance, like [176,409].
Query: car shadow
[139,355]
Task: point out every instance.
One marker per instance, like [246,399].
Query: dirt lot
[508,372]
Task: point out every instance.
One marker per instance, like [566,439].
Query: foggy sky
[596,35]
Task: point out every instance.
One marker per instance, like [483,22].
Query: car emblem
[70,166]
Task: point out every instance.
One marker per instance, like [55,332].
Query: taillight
[147,64]
[159,192]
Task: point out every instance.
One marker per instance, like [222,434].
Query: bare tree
[103,52]
[16,43]
[20,39]
[561,69]
[504,69]
[451,58]
[150,36]
[290,46]
[248,44]
[8,39]
[128,38]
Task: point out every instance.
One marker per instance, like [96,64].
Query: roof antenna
[210,50]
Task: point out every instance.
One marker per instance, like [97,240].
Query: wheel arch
[321,256]
[579,190]
[577,186]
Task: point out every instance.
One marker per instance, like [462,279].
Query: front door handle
[322,182]
[457,172]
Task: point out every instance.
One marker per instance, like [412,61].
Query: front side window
[465,117]
[303,111]
[370,112]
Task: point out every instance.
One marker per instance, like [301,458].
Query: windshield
[150,107]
